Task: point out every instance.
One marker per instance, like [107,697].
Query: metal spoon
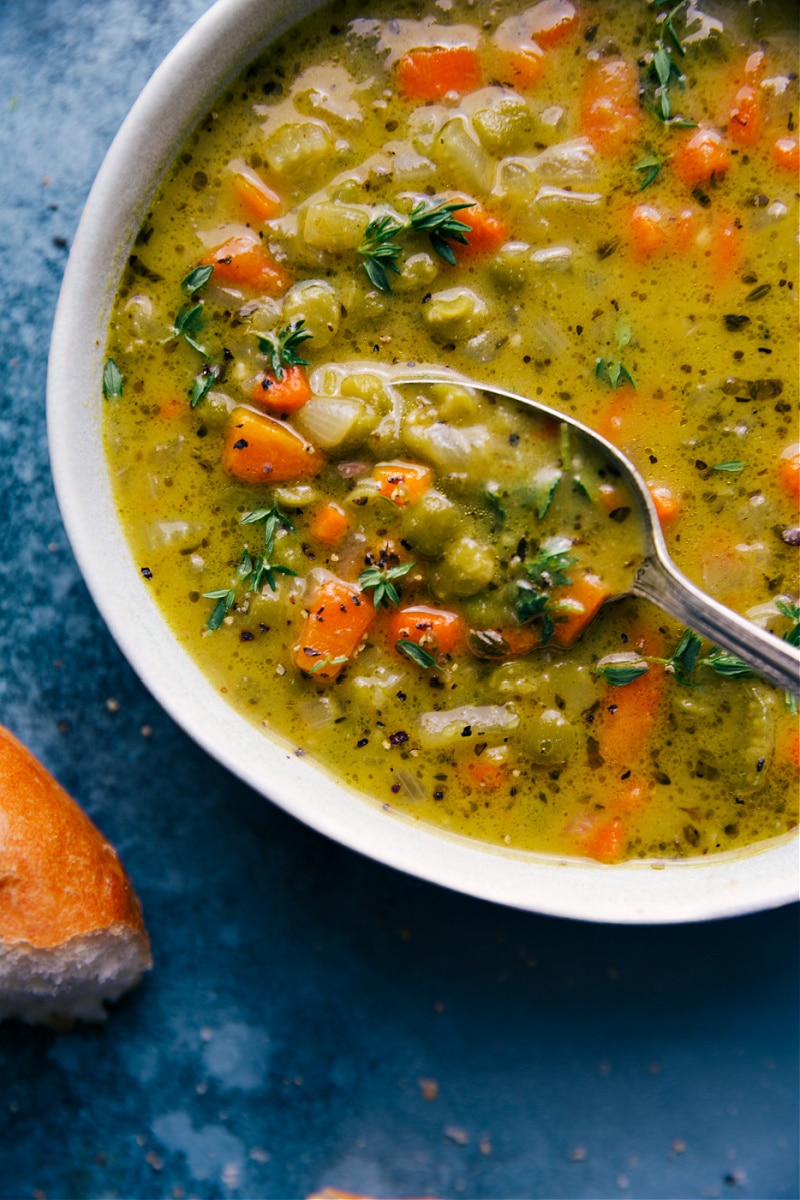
[657,579]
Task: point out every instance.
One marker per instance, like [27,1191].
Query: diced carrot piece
[630,795]
[489,772]
[610,496]
[402,482]
[244,261]
[609,109]
[172,408]
[253,193]
[551,21]
[648,230]
[684,230]
[282,396]
[667,504]
[627,717]
[789,747]
[330,524]
[745,119]
[606,841]
[524,67]
[260,449]
[575,607]
[789,472]
[339,615]
[786,154]
[487,232]
[726,251]
[518,639]
[702,155]
[432,71]
[434,629]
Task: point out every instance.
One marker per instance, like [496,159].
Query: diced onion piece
[335,422]
[453,726]
[320,711]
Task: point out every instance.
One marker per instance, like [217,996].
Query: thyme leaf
[112,380]
[381,251]
[621,674]
[416,653]
[281,347]
[196,279]
[381,580]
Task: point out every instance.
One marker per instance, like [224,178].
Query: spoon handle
[660,581]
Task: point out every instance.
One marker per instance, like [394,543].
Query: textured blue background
[301,993]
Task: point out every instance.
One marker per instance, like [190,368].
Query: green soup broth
[419,586]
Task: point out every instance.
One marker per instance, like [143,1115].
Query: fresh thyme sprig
[281,347]
[547,570]
[380,250]
[664,71]
[380,579]
[681,663]
[250,571]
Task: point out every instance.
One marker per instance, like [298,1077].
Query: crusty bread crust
[59,877]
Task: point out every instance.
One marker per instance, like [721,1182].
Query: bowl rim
[177,95]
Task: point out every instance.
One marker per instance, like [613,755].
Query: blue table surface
[315,1019]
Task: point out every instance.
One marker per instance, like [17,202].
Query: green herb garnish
[328,662]
[112,380]
[381,251]
[196,279]
[225,598]
[621,674]
[613,373]
[650,168]
[664,73]
[281,347]
[203,384]
[416,653]
[732,466]
[189,320]
[380,579]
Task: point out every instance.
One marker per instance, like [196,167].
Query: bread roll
[71,930]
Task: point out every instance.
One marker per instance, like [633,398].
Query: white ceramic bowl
[179,93]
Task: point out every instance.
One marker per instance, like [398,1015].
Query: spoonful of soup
[579,529]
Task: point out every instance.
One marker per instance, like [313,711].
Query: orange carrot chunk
[609,109]
[606,841]
[489,772]
[745,118]
[432,71]
[260,449]
[524,67]
[726,249]
[667,504]
[253,194]
[786,154]
[487,232]
[282,395]
[339,615]
[402,482]
[575,606]
[648,230]
[330,524]
[627,716]
[789,472]
[551,21]
[244,261]
[701,156]
[434,629]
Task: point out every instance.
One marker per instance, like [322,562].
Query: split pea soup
[593,204]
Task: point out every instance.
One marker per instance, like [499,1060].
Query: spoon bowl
[656,577]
